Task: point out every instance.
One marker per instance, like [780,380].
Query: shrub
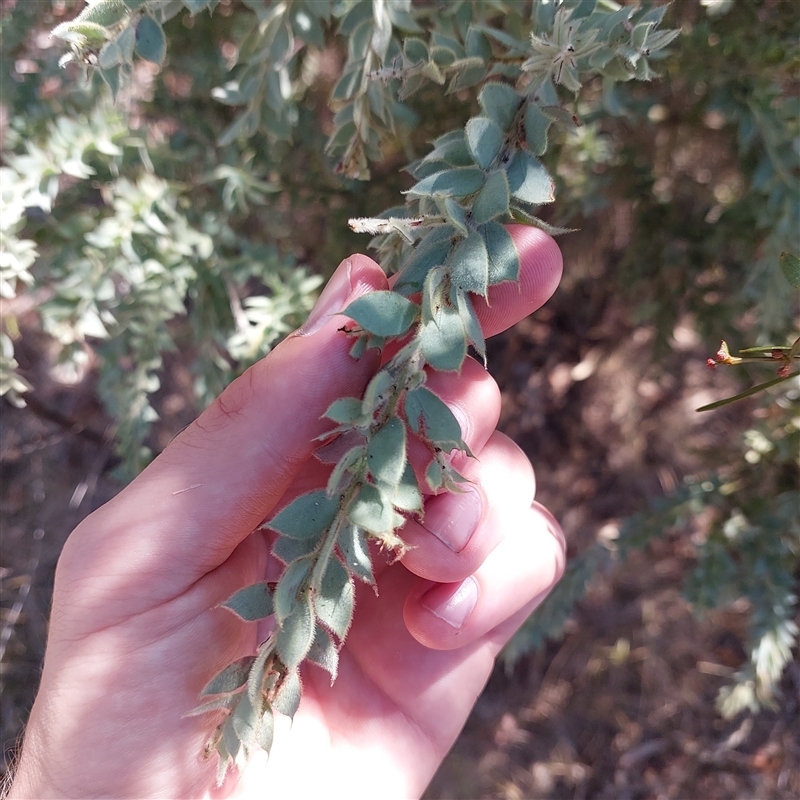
[164,219]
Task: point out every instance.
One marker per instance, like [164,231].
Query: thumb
[218,479]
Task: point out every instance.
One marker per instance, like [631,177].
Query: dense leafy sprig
[447,245]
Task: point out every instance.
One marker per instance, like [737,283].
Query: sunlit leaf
[386,452]
[334,599]
[251,603]
[484,139]
[230,678]
[306,516]
[383,313]
[296,634]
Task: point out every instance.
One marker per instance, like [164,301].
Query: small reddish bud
[776,354]
[783,372]
[710,363]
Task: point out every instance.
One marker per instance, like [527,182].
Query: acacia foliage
[173,239]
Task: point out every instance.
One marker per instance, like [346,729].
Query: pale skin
[136,630]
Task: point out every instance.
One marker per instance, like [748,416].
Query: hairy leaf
[251,603]
[492,201]
[443,340]
[500,102]
[458,182]
[287,698]
[386,452]
[484,138]
[469,263]
[339,476]
[334,599]
[287,549]
[406,496]
[529,181]
[286,592]
[429,253]
[306,516]
[503,256]
[536,127]
[297,633]
[346,409]
[266,729]
[323,652]
[246,720]
[371,511]
[472,325]
[355,553]
[430,417]
[230,678]
[383,313]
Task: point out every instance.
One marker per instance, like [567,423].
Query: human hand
[136,631]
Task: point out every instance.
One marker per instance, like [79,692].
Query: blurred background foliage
[192,220]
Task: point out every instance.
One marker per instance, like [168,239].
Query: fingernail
[331,301]
[453,518]
[452,603]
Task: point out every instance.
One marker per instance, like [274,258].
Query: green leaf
[306,516]
[500,102]
[406,495]
[287,698]
[266,729]
[104,12]
[454,214]
[458,182]
[288,549]
[287,591]
[251,603]
[790,266]
[492,201]
[529,181]
[416,51]
[230,678]
[81,33]
[323,652]
[484,139]
[472,325]
[334,599]
[296,634]
[430,417]
[432,251]
[503,256]
[370,512]
[536,127]
[337,479]
[353,546]
[452,148]
[477,45]
[245,720]
[375,393]
[386,452]
[443,340]
[383,313]
[469,72]
[110,55]
[529,219]
[111,77]
[469,264]
[151,44]
[224,701]
[344,410]
[752,390]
